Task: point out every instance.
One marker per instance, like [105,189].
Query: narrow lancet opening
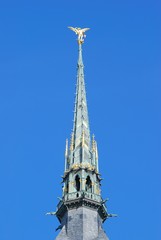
[67,187]
[88,184]
[77,183]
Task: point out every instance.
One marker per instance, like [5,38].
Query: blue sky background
[122,57]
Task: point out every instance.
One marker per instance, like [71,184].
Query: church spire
[81,122]
[81,207]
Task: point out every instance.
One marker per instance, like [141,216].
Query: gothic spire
[81,207]
[81,122]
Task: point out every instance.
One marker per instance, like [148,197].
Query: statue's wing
[85,29]
[73,29]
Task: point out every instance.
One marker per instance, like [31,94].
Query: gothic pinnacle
[93,143]
[72,142]
[66,149]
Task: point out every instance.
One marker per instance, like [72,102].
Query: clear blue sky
[122,57]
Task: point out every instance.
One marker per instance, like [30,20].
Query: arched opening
[88,184]
[67,187]
[77,183]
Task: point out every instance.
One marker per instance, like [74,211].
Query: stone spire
[81,122]
[82,154]
[81,210]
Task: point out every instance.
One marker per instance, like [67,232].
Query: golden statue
[80,32]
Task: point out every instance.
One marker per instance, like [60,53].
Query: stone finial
[72,142]
[66,149]
[93,143]
[96,150]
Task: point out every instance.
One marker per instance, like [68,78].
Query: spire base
[81,201]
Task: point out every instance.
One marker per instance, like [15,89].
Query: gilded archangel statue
[80,32]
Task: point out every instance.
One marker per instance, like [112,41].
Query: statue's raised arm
[80,32]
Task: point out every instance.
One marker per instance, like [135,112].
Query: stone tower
[81,211]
